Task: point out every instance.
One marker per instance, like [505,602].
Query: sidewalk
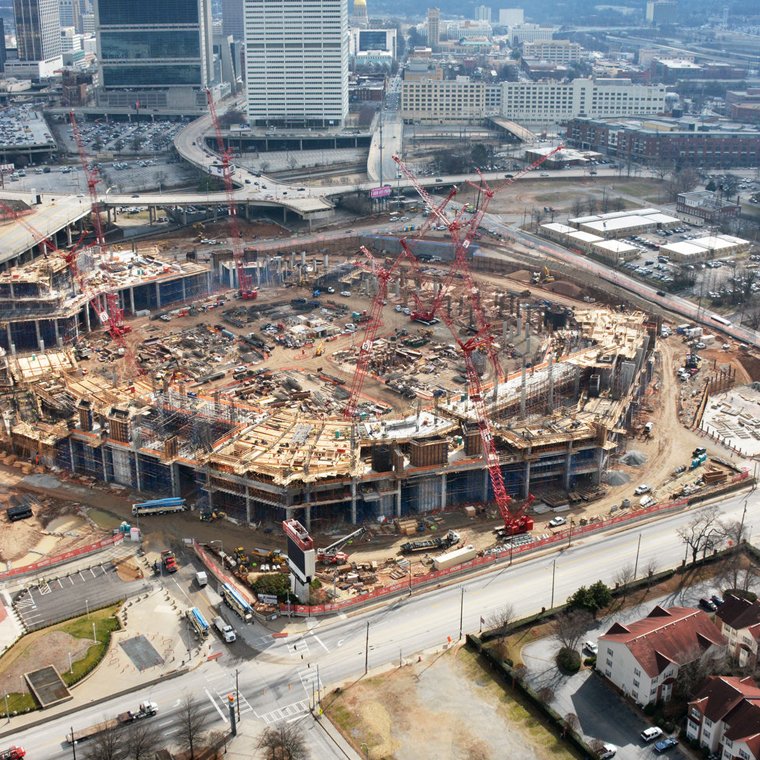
[158,619]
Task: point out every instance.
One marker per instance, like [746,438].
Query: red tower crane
[383,275]
[245,281]
[514,522]
[93,177]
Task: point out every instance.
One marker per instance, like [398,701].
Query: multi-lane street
[279,682]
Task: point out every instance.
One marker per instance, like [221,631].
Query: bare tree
[692,674]
[570,627]
[624,578]
[192,724]
[545,694]
[104,746]
[578,206]
[650,569]
[142,740]
[570,723]
[283,742]
[502,617]
[701,532]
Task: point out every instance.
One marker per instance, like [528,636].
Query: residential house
[724,717]
[739,620]
[643,658]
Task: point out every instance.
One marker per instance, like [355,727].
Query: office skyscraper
[434,28]
[232,19]
[70,14]
[297,62]
[153,53]
[38,29]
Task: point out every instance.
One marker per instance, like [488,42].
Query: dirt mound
[634,458]
[616,478]
[521,275]
[565,289]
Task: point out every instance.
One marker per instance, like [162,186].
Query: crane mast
[245,281]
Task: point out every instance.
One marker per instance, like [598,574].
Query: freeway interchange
[285,677]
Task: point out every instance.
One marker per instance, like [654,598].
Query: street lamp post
[366,651]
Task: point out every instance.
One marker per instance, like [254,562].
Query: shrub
[568,661]
[650,709]
[590,662]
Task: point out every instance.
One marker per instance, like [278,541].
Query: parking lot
[602,713]
[72,594]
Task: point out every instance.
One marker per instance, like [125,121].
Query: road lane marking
[320,642]
[216,706]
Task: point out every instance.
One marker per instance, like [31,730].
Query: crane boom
[245,281]
[93,178]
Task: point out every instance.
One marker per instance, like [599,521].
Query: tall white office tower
[297,62]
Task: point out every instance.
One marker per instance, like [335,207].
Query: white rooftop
[586,237]
[620,223]
[684,248]
[558,227]
[616,246]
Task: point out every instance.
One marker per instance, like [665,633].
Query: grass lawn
[36,645]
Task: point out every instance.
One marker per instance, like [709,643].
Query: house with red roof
[724,717]
[739,621]
[643,658]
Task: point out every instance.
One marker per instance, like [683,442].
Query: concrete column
[247,505]
[158,295]
[288,513]
[526,487]
[138,474]
[174,475]
[353,501]
[568,466]
[87,316]
[184,290]
[39,335]
[443,491]
[307,517]
[132,301]
[69,239]
[71,455]
[57,332]
[398,500]
[103,460]
[8,335]
[486,479]
[13,291]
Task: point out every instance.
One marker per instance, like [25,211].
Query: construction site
[362,379]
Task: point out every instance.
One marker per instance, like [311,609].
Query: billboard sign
[380,192]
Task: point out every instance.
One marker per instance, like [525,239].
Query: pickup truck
[145,710]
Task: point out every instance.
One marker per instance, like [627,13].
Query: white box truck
[201,578]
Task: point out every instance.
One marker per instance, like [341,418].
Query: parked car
[716,600]
[555,522]
[643,488]
[707,605]
[665,744]
[651,733]
[591,648]
[607,751]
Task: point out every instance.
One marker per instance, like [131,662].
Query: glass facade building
[38,29]
[153,53]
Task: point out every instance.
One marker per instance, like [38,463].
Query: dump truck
[236,602]
[145,710]
[12,753]
[169,561]
[434,543]
[158,506]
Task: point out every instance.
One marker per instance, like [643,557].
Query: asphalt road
[277,683]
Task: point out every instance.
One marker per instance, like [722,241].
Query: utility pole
[636,564]
[237,692]
[366,651]
[73,744]
[461,613]
[554,571]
